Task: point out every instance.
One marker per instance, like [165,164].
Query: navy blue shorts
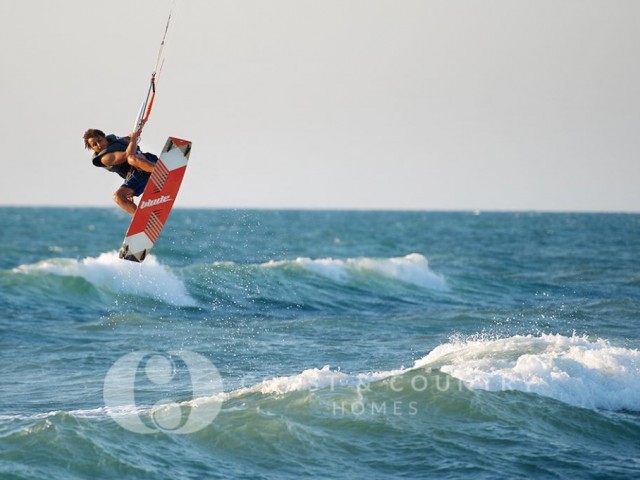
[137,179]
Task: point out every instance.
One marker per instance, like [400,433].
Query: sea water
[320,344]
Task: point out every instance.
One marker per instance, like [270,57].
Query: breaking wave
[108,272]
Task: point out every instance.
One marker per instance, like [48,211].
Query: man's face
[97,144]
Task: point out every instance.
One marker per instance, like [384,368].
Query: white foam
[574,370]
[412,268]
[108,271]
[309,380]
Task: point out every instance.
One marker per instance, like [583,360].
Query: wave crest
[412,268]
[109,272]
[573,370]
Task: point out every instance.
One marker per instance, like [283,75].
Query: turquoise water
[346,344]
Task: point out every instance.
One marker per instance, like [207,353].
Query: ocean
[320,344]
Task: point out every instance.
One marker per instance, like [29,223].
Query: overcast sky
[367,104]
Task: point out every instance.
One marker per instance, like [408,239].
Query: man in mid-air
[121,155]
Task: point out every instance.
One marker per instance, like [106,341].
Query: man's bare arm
[113,158]
[133,144]
[137,160]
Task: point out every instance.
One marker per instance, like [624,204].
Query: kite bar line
[145,109]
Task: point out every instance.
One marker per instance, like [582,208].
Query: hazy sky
[368,104]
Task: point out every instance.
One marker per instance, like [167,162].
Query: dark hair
[92,132]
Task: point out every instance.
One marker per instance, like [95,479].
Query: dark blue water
[320,344]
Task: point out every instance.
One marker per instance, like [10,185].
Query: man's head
[95,140]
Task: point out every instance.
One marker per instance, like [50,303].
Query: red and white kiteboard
[157,200]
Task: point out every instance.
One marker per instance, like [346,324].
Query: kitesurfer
[121,155]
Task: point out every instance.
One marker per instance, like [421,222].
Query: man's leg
[124,198]
[140,162]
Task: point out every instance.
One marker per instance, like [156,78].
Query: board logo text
[155,201]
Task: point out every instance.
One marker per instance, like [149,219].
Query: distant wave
[412,268]
[109,272]
[151,279]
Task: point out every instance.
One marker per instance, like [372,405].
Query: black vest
[116,144]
